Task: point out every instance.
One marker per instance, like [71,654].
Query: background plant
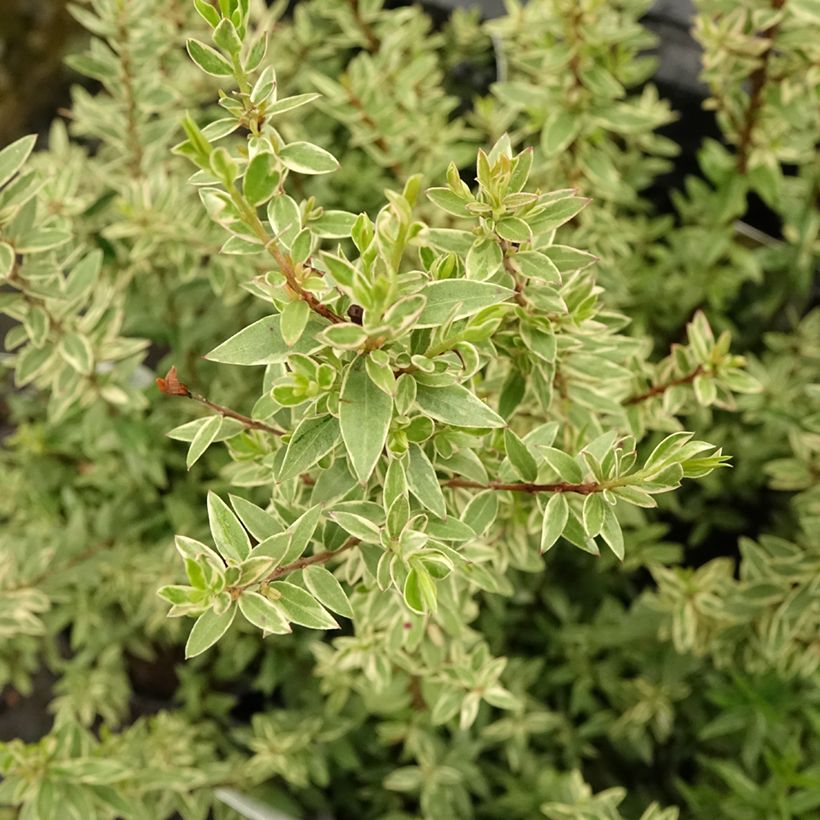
[408,393]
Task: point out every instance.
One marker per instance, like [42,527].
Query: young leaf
[263,613]
[207,630]
[208,59]
[456,405]
[294,321]
[365,412]
[554,521]
[324,586]
[261,178]
[420,591]
[229,535]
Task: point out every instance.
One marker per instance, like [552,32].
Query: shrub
[445,546]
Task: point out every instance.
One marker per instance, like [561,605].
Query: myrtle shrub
[447,393]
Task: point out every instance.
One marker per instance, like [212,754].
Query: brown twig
[660,389]
[133,140]
[757,85]
[526,486]
[286,264]
[172,386]
[510,268]
[319,558]
[373,42]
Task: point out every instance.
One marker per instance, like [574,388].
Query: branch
[286,264]
[172,386]
[510,268]
[757,86]
[659,389]
[373,42]
[526,486]
[319,558]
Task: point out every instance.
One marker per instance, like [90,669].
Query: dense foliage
[428,356]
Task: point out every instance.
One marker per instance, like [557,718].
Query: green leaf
[226,37]
[484,258]
[357,525]
[275,547]
[208,59]
[594,511]
[481,511]
[289,103]
[294,321]
[301,532]
[448,201]
[229,535]
[705,390]
[207,12]
[261,178]
[456,405]
[13,156]
[6,260]
[76,350]
[567,259]
[302,608]
[333,224]
[513,229]
[554,521]
[458,298]
[203,439]
[537,266]
[612,534]
[559,131]
[258,523]
[557,213]
[420,591]
[207,630]
[263,343]
[520,457]
[324,585]
[566,466]
[423,482]
[306,158]
[39,239]
[344,336]
[31,363]
[365,412]
[312,439]
[263,613]
[340,269]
